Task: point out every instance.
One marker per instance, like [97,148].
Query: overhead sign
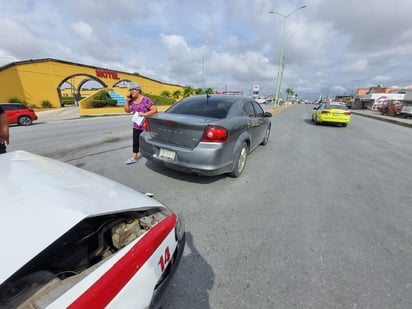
[255,90]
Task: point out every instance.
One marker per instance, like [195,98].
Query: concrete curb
[281,108]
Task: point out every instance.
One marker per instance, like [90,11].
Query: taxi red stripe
[101,293]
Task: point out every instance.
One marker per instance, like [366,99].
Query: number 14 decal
[164,259]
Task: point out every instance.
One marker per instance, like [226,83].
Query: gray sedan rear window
[202,106]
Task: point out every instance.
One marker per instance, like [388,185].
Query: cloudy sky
[331,47]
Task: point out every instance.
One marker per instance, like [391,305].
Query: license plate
[336,114]
[168,155]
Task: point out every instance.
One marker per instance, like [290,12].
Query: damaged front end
[76,254]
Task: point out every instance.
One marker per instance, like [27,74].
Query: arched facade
[36,81]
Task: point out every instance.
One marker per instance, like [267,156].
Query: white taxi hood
[41,199]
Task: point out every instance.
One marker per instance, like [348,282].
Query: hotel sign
[107,74]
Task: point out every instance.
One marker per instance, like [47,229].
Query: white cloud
[358,66]
[82,29]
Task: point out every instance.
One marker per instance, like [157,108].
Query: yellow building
[46,80]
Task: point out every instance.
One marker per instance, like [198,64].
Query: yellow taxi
[331,113]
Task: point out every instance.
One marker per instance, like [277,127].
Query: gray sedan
[206,134]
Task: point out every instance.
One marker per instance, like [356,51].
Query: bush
[159,100]
[111,103]
[68,100]
[102,95]
[46,104]
[104,103]
[98,103]
[15,100]
[103,99]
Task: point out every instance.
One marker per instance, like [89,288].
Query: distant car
[377,106]
[19,113]
[206,134]
[261,100]
[392,108]
[337,113]
[74,239]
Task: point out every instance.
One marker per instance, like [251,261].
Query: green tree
[199,91]
[210,91]
[176,94]
[289,93]
[165,93]
[187,91]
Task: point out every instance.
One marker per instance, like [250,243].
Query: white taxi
[74,239]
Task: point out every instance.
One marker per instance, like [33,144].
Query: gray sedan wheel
[266,138]
[240,161]
[24,121]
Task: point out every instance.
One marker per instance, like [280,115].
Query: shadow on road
[189,288]
[171,173]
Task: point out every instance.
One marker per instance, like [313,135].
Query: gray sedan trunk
[177,130]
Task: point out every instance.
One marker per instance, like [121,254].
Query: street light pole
[280,68]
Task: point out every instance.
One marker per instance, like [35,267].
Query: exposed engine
[74,255]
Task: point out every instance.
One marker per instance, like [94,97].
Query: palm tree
[165,93]
[187,91]
[210,91]
[289,92]
[199,91]
[176,94]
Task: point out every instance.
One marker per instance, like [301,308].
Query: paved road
[321,217]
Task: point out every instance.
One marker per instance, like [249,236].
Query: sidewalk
[67,113]
[407,122]
[64,113]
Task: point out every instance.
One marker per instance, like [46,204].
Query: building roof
[31,61]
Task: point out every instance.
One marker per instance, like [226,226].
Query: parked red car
[19,113]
